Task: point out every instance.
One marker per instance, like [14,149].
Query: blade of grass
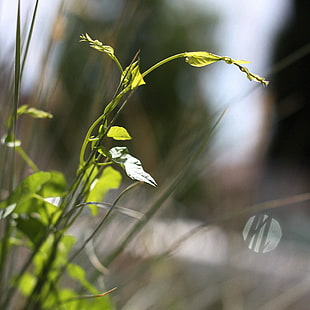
[11,131]
[34,15]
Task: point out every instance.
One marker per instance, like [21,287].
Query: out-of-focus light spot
[262,233]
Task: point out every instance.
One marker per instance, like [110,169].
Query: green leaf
[109,179]
[132,76]
[47,208]
[32,228]
[55,186]
[132,165]
[118,133]
[36,113]
[64,249]
[29,196]
[7,211]
[27,283]
[230,61]
[78,273]
[201,59]
[29,186]
[97,45]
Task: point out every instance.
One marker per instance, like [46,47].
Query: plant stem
[162,62]
[27,159]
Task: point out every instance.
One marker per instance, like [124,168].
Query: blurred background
[259,151]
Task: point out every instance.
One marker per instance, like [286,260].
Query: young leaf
[97,45]
[132,165]
[28,197]
[132,76]
[109,179]
[230,61]
[36,113]
[29,186]
[201,59]
[118,133]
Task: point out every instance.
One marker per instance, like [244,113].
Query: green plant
[39,210]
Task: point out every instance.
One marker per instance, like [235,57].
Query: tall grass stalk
[10,173]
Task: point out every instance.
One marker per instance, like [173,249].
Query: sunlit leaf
[29,197]
[29,186]
[55,201]
[132,76]
[231,61]
[27,283]
[132,165]
[97,45]
[48,209]
[118,133]
[78,273]
[36,113]
[7,211]
[55,186]
[201,59]
[109,179]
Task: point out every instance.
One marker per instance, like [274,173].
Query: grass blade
[10,173]
[29,36]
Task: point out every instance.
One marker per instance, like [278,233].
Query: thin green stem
[88,134]
[118,64]
[162,62]
[27,159]
[99,120]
